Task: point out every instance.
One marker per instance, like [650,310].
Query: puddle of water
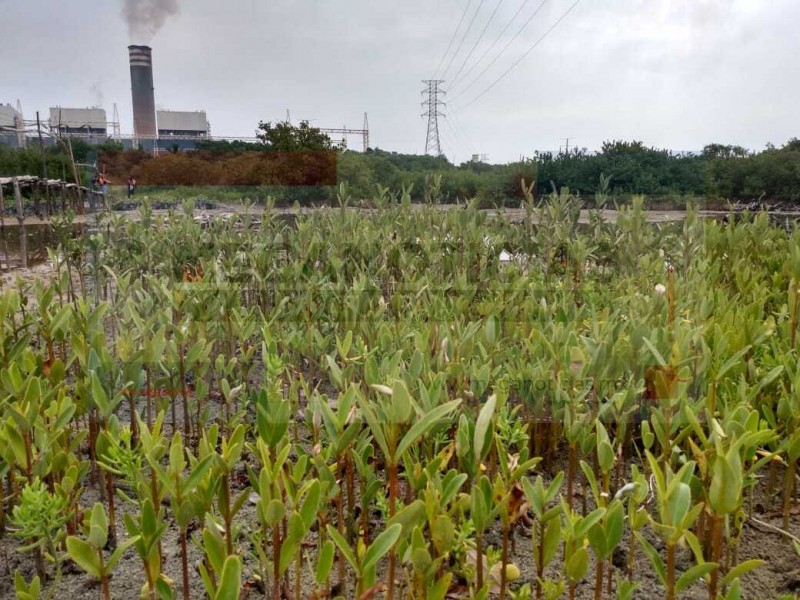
[26,246]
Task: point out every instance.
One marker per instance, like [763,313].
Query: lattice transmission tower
[432,104]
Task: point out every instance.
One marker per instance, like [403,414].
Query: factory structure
[12,127]
[87,123]
[154,130]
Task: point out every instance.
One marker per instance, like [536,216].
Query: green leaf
[615,518]
[25,591]
[451,484]
[577,564]
[421,561]
[734,591]
[119,551]
[589,521]
[230,582]
[275,511]
[195,353]
[214,548]
[310,506]
[741,569]
[177,462]
[443,533]
[205,577]
[381,545]
[552,540]
[597,540]
[587,471]
[440,588]
[336,372]
[693,574]
[325,562]
[479,508]
[84,556]
[149,521]
[726,485]
[288,549]
[164,587]
[423,425]
[731,362]
[482,427]
[605,455]
[678,504]
[654,557]
[98,527]
[402,405]
[99,395]
[408,516]
[656,354]
[343,546]
[12,434]
[198,472]
[375,426]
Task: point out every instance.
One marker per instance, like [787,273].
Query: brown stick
[185,565]
[503,565]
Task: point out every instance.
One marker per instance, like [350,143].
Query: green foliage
[374,398]
[39,517]
[285,137]
[88,554]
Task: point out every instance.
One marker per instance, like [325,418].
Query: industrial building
[12,127]
[181,129]
[173,123]
[89,124]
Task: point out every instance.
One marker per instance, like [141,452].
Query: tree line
[302,156]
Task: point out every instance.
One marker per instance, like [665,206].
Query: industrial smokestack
[144,103]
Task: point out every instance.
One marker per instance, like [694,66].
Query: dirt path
[514,214]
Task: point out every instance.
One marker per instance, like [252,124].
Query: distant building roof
[175,120]
[7,115]
[77,118]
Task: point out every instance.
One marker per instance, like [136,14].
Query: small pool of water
[26,246]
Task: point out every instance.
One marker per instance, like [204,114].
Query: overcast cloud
[672,73]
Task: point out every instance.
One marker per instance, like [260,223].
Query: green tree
[285,137]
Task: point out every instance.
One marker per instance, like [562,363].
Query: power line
[463,37]
[463,143]
[455,139]
[477,41]
[460,131]
[521,58]
[452,38]
[511,41]
[492,45]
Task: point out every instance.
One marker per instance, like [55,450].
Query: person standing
[131,186]
[103,183]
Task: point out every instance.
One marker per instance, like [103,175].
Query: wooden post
[63,188]
[18,198]
[36,198]
[23,246]
[3,224]
[48,209]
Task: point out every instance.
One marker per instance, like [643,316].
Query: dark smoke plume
[145,17]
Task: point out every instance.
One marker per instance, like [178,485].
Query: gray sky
[672,73]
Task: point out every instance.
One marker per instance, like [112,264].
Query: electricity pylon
[432,103]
